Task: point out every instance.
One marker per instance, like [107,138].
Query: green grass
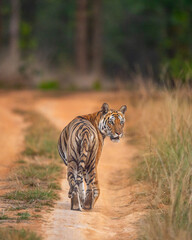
[49,85]
[97,85]
[3,217]
[37,209]
[23,216]
[21,161]
[16,208]
[37,174]
[36,216]
[14,234]
[54,185]
[31,195]
[41,137]
[168,168]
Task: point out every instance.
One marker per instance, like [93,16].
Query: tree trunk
[0,23]
[81,36]
[97,38]
[14,34]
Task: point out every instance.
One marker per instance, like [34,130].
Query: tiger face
[112,122]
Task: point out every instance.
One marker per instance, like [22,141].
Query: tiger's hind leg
[75,199]
[80,182]
[88,203]
[93,191]
[82,193]
[96,189]
[74,189]
[76,202]
[81,170]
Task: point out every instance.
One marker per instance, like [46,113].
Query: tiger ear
[123,109]
[105,108]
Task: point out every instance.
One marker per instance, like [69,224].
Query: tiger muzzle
[116,137]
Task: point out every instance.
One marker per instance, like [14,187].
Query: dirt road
[11,136]
[117,211]
[120,206]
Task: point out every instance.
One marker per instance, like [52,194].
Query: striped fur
[80,145]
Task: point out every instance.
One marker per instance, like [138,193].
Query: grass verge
[31,195]
[23,216]
[13,234]
[167,166]
[35,182]
[39,171]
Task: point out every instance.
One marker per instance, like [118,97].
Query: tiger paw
[75,202]
[88,204]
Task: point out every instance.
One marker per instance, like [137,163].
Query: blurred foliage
[180,70]
[72,87]
[143,36]
[49,85]
[97,85]
[140,34]
[27,42]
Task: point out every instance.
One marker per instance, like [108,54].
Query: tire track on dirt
[117,211]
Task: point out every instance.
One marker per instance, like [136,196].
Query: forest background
[83,44]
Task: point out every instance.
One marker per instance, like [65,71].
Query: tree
[81,36]
[14,35]
[97,37]
[0,22]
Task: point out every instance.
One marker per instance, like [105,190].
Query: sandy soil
[11,134]
[118,209]
[12,126]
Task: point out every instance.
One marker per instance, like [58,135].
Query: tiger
[80,145]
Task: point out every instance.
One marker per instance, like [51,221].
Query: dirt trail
[11,136]
[117,211]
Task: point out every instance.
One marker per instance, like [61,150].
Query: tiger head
[112,122]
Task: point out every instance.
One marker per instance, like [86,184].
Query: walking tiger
[80,145]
